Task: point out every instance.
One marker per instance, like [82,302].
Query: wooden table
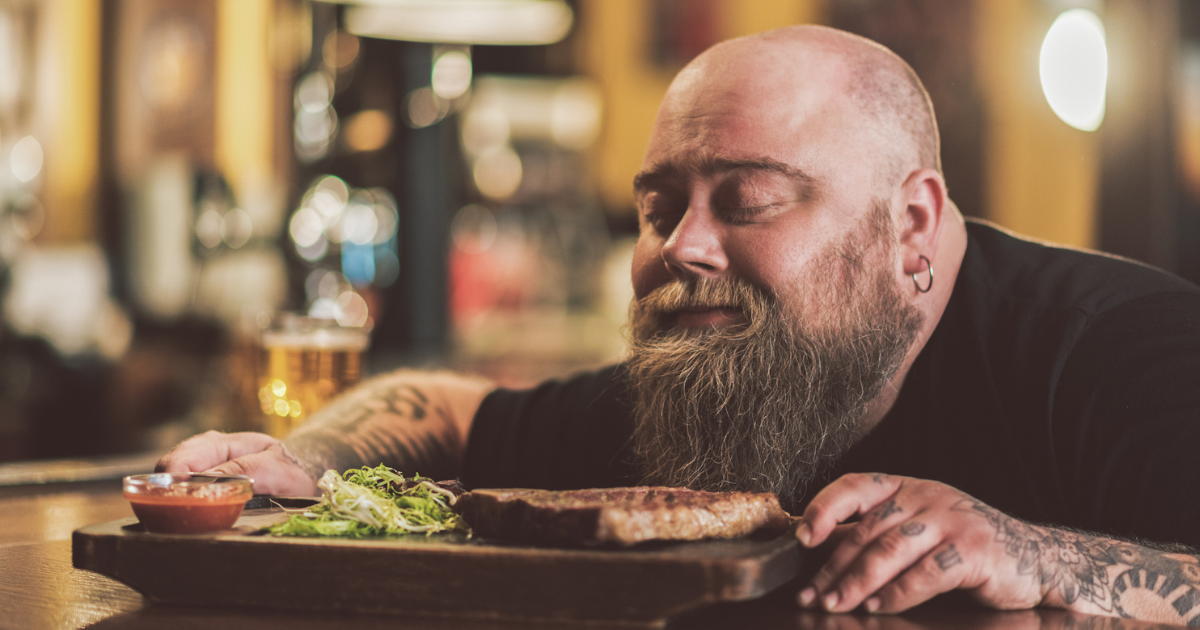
[39,589]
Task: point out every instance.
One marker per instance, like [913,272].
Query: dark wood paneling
[935,38]
[1139,183]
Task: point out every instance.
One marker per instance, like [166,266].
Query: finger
[875,523]
[272,471]
[876,564]
[940,571]
[202,452]
[851,494]
[814,560]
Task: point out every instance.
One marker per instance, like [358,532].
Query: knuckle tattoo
[882,512]
[947,558]
[912,528]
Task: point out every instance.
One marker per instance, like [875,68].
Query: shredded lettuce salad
[375,502]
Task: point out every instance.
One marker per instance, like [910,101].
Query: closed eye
[663,222]
[660,210]
[738,215]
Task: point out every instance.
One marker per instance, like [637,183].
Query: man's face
[768,313]
[743,181]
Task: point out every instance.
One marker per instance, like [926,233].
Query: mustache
[683,294]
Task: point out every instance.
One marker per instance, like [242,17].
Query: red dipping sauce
[187,503]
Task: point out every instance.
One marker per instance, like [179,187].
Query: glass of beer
[305,362]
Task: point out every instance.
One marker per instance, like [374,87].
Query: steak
[622,516]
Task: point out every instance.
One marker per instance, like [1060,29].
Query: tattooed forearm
[1097,574]
[433,454]
[391,421]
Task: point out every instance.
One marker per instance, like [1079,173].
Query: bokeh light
[26,159]
[236,228]
[359,224]
[484,128]
[368,130]
[349,236]
[352,309]
[575,114]
[306,227]
[451,76]
[314,92]
[316,123]
[208,228]
[329,195]
[331,284]
[340,50]
[425,108]
[314,252]
[498,173]
[387,218]
[358,263]
[1074,68]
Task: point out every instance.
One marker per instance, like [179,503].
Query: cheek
[649,271]
[767,261]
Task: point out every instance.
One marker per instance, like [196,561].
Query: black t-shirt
[1059,386]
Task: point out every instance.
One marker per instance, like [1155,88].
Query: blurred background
[455,176]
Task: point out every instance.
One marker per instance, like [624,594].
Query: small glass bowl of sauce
[187,503]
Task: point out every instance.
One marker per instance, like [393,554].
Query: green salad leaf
[376,501]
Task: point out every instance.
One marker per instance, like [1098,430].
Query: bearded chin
[760,407]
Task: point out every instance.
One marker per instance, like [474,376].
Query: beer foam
[318,338]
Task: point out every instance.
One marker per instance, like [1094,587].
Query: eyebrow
[708,165]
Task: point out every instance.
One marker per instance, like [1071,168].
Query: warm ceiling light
[512,22]
[368,130]
[1074,68]
[451,76]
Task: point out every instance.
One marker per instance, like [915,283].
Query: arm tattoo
[384,422]
[311,469]
[1079,567]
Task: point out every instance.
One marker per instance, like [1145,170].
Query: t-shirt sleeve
[1127,420]
[560,435]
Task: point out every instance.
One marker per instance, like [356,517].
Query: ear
[924,197]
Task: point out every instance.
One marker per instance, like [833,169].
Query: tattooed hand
[919,538]
[273,467]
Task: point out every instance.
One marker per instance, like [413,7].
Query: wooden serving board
[443,574]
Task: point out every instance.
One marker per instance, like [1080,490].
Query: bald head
[799,69]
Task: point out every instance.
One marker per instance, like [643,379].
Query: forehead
[726,117]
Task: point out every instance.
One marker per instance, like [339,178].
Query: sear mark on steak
[621,516]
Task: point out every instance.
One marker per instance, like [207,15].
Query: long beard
[765,405]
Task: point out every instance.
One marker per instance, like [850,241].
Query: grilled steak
[624,516]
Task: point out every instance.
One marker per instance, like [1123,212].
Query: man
[789,330]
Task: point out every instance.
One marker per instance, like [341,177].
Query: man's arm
[918,538]
[413,421]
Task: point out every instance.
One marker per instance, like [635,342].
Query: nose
[695,246]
